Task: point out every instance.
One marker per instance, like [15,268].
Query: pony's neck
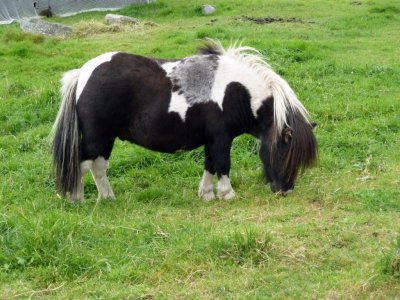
[237,109]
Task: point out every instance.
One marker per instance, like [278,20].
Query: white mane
[285,99]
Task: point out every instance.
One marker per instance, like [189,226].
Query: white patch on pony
[178,104]
[233,70]
[99,172]
[225,190]
[69,80]
[88,68]
[169,66]
[206,186]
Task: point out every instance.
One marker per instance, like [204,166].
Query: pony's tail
[66,138]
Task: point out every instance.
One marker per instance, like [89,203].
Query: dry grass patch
[93,27]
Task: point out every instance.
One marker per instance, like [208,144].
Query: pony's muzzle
[275,187]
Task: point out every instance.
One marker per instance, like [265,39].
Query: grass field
[336,236]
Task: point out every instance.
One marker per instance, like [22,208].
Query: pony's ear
[287,134]
[313,125]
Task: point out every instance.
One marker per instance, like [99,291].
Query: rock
[119,19]
[38,26]
[208,9]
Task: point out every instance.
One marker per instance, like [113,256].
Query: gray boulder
[208,9]
[119,19]
[38,26]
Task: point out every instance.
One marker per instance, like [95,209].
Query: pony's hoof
[206,195]
[109,197]
[74,198]
[226,195]
[75,201]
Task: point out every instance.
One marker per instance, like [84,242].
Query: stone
[208,9]
[38,26]
[119,19]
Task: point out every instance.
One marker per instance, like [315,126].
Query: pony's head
[284,154]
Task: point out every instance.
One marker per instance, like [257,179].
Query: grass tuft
[391,262]
[16,35]
[243,248]
[385,10]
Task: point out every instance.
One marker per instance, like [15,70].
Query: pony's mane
[302,151]
[285,100]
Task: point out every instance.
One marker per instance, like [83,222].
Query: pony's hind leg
[85,166]
[99,172]
[98,149]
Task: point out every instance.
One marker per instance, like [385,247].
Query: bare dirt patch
[269,20]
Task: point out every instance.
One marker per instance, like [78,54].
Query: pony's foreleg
[206,186]
[99,172]
[222,166]
[219,153]
[225,190]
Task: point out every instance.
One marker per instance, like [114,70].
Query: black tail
[66,139]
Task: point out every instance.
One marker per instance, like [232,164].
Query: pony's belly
[168,144]
[165,139]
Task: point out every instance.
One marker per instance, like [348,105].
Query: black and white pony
[171,105]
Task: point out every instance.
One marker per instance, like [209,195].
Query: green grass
[333,237]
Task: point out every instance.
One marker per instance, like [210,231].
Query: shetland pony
[172,105]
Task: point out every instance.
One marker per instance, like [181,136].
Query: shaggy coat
[172,105]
